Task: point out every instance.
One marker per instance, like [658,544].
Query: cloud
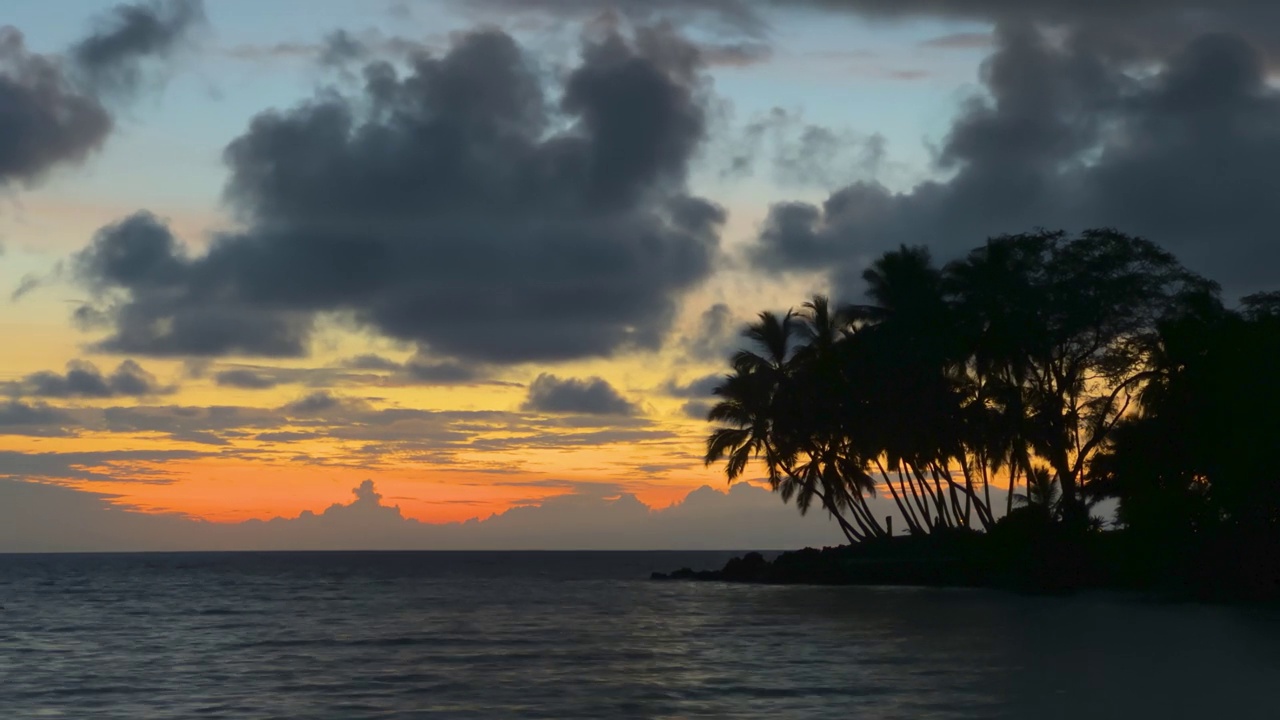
[563,225]
[697,389]
[112,59]
[44,119]
[1070,137]
[371,362]
[1134,30]
[50,518]
[163,316]
[1207,12]
[286,437]
[715,337]
[804,154]
[312,404]
[39,420]
[735,54]
[261,377]
[961,41]
[83,380]
[30,283]
[696,410]
[202,425]
[592,396]
[420,370]
[244,379]
[52,111]
[366,434]
[719,17]
[337,49]
[697,392]
[442,373]
[102,465]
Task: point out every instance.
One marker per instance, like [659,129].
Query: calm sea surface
[586,635]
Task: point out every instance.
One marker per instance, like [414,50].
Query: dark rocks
[687,574]
[949,558]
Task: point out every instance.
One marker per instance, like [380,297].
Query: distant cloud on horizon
[49,518]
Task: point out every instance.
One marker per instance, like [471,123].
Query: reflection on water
[563,635]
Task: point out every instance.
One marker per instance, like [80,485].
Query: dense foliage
[1065,369]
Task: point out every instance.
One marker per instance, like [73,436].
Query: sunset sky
[491,252]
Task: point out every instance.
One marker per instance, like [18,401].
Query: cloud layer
[83,379]
[51,518]
[1069,136]
[53,111]
[592,396]
[455,206]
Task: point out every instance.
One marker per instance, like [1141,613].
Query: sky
[347,273]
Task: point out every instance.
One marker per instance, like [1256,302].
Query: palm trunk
[906,517]
[928,502]
[850,532]
[907,482]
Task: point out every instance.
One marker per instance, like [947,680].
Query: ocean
[588,635]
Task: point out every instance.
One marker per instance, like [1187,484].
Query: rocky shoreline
[1052,563]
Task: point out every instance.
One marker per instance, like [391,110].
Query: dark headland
[1025,560]
[1000,402]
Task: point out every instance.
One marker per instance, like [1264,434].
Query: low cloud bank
[46,518]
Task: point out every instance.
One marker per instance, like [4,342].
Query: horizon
[477,265]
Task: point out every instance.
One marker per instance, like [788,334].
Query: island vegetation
[1059,371]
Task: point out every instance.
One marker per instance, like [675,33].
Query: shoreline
[1058,566]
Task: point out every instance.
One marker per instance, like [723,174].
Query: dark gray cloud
[455,206]
[696,389]
[315,403]
[715,337]
[113,59]
[697,393]
[371,361]
[286,436]
[419,370]
[83,379]
[164,314]
[244,379]
[592,396]
[261,377]
[37,419]
[51,108]
[1134,29]
[391,435]
[104,465]
[442,373]
[215,426]
[45,120]
[696,409]
[1207,12]
[1071,137]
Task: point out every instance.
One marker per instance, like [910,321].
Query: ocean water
[587,635]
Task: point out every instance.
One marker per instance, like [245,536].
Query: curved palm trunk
[860,508]
[909,517]
[920,494]
[850,532]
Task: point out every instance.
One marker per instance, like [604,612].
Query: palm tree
[1042,490]
[758,406]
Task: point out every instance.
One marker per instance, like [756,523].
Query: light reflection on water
[569,635]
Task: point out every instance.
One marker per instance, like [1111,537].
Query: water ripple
[563,635]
